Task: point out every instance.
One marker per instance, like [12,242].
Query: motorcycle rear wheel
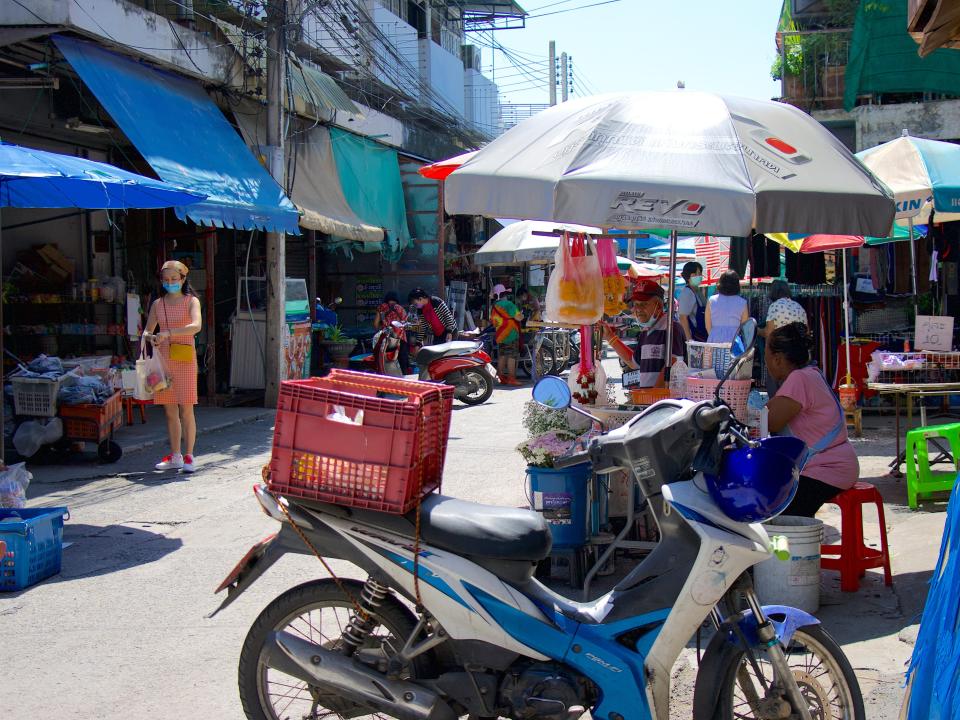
[544,361]
[317,611]
[484,383]
[821,669]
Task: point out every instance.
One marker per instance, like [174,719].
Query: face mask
[695,280]
[172,287]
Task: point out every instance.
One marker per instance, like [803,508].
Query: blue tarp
[370,177]
[186,139]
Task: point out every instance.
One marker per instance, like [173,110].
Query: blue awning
[186,139]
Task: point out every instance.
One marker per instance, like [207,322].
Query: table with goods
[914,376]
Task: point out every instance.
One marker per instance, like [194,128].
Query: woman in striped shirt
[436,321]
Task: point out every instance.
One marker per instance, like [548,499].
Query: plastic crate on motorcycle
[386,459]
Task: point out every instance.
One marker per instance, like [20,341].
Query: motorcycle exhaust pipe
[339,673]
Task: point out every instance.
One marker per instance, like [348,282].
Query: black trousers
[811,495]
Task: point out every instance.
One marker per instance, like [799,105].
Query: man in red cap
[646,302]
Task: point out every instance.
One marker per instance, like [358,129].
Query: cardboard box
[51,253]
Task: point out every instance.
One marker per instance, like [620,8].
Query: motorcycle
[460,363]
[451,621]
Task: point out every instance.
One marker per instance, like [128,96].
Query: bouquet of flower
[542,450]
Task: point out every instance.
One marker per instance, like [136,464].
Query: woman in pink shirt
[806,407]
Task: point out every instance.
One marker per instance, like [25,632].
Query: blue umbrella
[37,179]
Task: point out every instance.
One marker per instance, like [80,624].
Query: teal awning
[884,59]
[370,176]
[186,139]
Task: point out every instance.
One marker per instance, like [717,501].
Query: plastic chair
[128,404]
[852,557]
[921,480]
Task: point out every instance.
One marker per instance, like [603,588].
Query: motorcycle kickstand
[778,658]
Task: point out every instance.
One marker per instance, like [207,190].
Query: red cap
[645,289]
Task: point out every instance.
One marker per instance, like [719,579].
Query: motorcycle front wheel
[822,671]
[317,611]
[482,383]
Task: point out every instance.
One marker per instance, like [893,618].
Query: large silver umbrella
[679,160]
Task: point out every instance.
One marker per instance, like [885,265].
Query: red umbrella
[439,170]
[823,243]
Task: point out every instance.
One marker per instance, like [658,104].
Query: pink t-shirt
[836,465]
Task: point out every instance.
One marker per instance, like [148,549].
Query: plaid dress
[184,372]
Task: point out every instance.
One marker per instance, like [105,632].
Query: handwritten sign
[632,378]
[933,333]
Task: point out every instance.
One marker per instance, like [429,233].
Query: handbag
[179,352]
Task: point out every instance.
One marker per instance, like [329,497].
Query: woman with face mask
[693,304]
[173,321]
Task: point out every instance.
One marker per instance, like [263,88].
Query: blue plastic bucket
[562,496]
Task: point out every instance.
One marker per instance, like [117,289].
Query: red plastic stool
[128,404]
[852,557]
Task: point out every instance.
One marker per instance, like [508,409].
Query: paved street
[121,633]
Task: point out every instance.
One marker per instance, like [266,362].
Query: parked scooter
[477,635]
[462,364]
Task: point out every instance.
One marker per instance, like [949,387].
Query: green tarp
[370,177]
[884,59]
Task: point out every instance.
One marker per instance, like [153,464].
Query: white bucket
[794,582]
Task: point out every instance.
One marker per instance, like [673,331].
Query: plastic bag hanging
[575,290]
[614,284]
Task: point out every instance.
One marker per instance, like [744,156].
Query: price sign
[631,378]
[933,333]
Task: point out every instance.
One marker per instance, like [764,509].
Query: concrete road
[121,632]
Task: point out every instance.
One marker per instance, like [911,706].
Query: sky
[723,47]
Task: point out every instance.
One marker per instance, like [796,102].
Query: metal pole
[564,85]
[3,402]
[913,272]
[552,72]
[846,312]
[276,241]
[671,286]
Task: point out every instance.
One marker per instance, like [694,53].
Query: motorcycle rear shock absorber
[362,621]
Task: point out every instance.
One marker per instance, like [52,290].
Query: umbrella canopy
[527,241]
[924,175]
[440,170]
[38,179]
[816,243]
[681,160]
[640,269]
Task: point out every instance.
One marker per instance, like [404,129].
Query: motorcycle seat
[486,531]
[429,353]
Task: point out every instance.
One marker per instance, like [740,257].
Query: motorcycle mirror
[740,348]
[552,392]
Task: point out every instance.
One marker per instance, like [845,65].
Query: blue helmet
[756,484]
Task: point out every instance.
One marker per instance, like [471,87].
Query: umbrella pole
[846,312]
[913,272]
[671,286]
[3,399]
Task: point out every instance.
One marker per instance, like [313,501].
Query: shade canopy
[38,179]
[817,243]
[681,160]
[185,138]
[527,241]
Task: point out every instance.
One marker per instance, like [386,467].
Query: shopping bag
[575,289]
[156,377]
[140,391]
[614,284]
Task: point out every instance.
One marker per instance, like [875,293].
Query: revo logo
[638,202]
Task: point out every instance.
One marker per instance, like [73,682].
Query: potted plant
[338,345]
[560,494]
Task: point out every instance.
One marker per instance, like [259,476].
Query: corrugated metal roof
[315,87]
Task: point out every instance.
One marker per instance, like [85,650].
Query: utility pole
[552,72]
[564,84]
[276,241]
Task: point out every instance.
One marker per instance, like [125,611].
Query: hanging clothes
[739,254]
[764,256]
[806,269]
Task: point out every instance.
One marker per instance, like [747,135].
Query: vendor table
[911,391]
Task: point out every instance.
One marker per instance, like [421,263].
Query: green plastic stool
[921,480]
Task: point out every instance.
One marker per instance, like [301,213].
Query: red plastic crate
[92,422]
[388,463]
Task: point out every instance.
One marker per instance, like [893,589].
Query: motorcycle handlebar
[709,419]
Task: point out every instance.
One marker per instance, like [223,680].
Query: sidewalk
[151,435]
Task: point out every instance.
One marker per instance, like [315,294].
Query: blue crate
[34,545]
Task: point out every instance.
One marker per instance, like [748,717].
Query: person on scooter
[806,407]
[506,318]
[437,324]
[389,311]
[646,302]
